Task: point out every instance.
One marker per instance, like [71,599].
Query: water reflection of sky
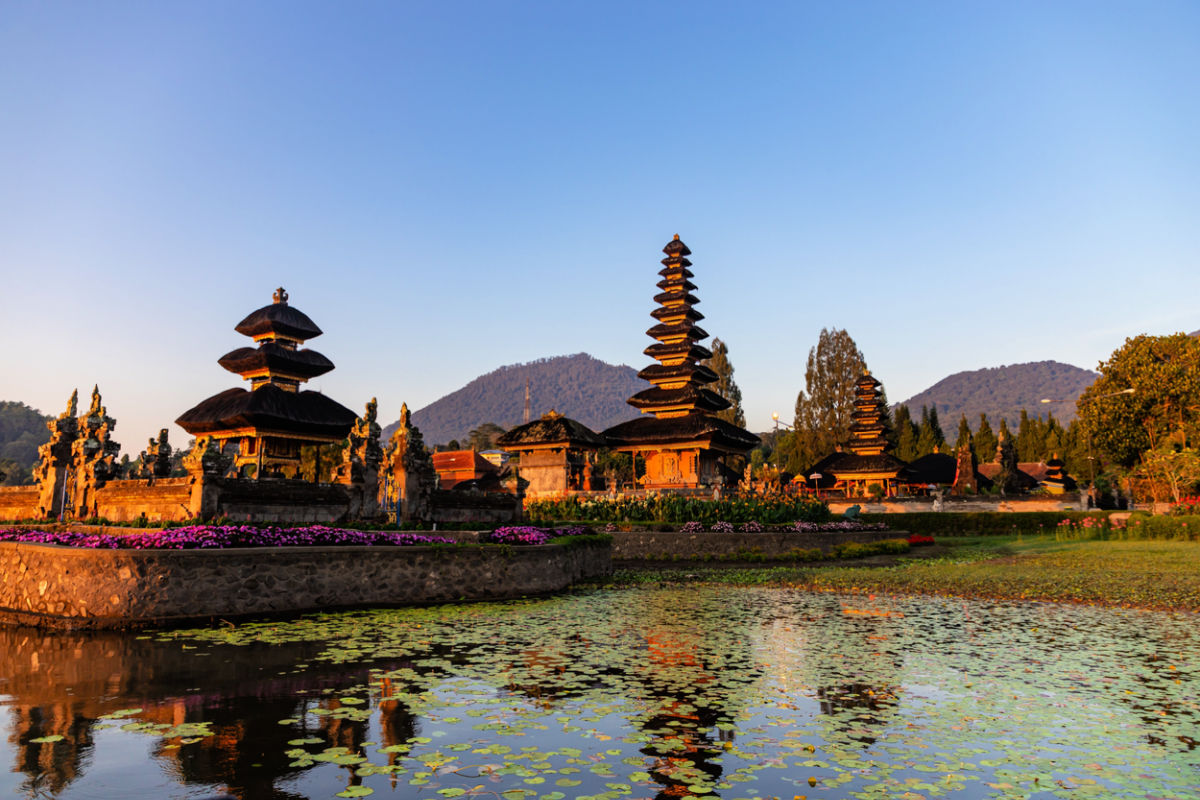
[703,692]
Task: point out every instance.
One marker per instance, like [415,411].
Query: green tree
[726,386]
[823,409]
[1147,396]
[985,441]
[927,439]
[907,434]
[935,427]
[964,434]
[484,437]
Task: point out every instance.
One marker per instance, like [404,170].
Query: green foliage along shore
[677,509]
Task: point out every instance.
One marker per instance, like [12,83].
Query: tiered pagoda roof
[275,369]
[678,400]
[868,425]
[868,432]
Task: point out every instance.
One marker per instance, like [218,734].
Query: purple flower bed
[195,537]
[529,535]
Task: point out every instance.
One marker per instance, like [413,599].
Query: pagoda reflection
[59,686]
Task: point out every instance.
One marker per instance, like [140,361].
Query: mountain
[1001,392]
[578,386]
[22,429]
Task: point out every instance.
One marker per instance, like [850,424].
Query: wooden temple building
[681,441]
[868,463]
[272,420]
[556,454]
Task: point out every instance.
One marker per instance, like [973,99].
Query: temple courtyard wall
[157,500]
[19,502]
[65,587]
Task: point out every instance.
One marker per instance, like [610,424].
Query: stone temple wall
[284,502]
[19,502]
[496,508]
[66,587]
[156,499]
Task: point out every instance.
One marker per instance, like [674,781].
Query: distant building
[497,457]
[457,467]
[556,454]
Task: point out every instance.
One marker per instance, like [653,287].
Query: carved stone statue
[157,457]
[410,478]
[54,459]
[361,458]
[94,456]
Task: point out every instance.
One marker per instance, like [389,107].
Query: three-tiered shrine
[680,440]
[272,420]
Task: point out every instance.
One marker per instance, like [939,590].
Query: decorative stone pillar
[359,468]
[54,459]
[410,475]
[94,456]
[964,473]
[206,465]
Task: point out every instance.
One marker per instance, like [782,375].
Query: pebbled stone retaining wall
[66,587]
[19,502]
[673,546]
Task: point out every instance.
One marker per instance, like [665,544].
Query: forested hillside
[22,429]
[1002,392]
[578,386]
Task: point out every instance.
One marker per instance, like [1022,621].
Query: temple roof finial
[280,296]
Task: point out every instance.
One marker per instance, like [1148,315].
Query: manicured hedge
[677,509]
[981,523]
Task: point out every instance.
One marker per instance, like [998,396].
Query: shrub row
[982,523]
[800,554]
[676,509]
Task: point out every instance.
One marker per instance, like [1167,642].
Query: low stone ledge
[676,545]
[66,587]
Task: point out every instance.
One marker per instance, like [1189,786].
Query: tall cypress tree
[926,439]
[823,409]
[935,427]
[906,435]
[964,434]
[726,386]
[985,441]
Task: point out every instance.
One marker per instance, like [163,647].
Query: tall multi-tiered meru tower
[680,439]
[868,463]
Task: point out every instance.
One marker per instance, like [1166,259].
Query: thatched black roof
[551,429]
[676,248]
[279,318]
[835,463]
[719,434]
[701,399]
[932,468]
[684,349]
[695,373]
[694,332]
[669,312]
[277,358]
[667,283]
[270,408]
[690,299]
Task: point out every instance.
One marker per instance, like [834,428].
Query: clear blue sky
[448,187]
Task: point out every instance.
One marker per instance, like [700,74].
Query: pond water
[670,692]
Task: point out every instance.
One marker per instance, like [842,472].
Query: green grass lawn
[1136,574]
